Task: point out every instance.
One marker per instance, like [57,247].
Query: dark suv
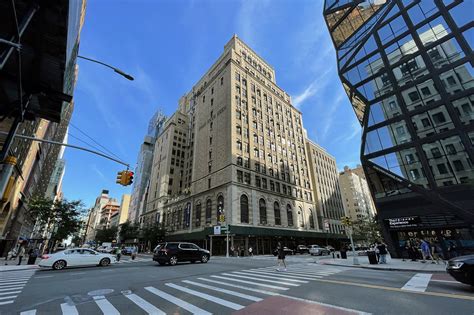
[174,252]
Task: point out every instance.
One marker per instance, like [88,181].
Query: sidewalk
[392,264]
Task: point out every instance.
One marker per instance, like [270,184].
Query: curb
[387,269]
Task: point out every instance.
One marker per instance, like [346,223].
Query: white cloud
[249,17]
[319,83]
[98,171]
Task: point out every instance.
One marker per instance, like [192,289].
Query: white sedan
[76,257]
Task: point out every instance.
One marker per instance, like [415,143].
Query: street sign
[224,228]
[217,230]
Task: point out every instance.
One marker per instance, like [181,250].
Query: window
[450,149]
[247,178]
[439,118]
[264,183]
[276,211]
[414,96]
[451,80]
[458,166]
[436,152]
[222,81]
[239,130]
[257,181]
[311,219]
[210,140]
[426,122]
[240,176]
[262,211]
[400,130]
[208,211]
[244,209]
[257,167]
[426,91]
[442,168]
[239,161]
[239,145]
[220,207]
[301,215]
[197,215]
[392,105]
[414,174]
[272,186]
[289,215]
[409,158]
[209,183]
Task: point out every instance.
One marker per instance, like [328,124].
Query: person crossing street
[281,257]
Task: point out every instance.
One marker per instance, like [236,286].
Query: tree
[106,235]
[128,231]
[366,229]
[153,234]
[60,217]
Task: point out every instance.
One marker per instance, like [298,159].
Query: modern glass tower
[407,68]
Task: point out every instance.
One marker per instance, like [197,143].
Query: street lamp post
[117,70]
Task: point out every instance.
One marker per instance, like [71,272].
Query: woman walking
[281,257]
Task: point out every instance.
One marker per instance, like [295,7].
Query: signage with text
[404,222]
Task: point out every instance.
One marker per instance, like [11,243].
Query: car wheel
[104,262]
[204,259]
[173,260]
[60,264]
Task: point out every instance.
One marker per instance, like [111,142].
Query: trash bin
[343,255]
[31,259]
[372,257]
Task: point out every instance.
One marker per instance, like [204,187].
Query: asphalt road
[231,286]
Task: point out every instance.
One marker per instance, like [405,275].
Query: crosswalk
[136,260]
[218,293]
[12,283]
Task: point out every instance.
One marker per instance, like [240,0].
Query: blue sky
[167,46]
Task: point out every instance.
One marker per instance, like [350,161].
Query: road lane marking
[250,282]
[13,287]
[273,276]
[208,297]
[76,273]
[447,281]
[7,302]
[234,293]
[379,287]
[239,286]
[12,283]
[284,274]
[263,280]
[105,306]
[8,297]
[31,312]
[9,292]
[324,304]
[418,282]
[182,304]
[144,305]
[68,309]
[42,277]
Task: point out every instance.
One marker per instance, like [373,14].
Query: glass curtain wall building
[407,68]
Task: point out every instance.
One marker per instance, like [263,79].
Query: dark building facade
[407,68]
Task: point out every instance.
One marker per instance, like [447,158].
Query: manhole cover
[100,292]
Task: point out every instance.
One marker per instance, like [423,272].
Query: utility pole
[347,222]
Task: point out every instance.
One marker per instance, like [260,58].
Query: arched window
[301,217]
[208,211]
[311,219]
[276,210]
[197,215]
[220,207]
[263,211]
[289,214]
[244,209]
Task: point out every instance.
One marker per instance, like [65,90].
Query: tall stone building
[93,222]
[407,68]
[356,196]
[234,154]
[143,168]
[325,179]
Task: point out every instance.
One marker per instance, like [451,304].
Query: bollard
[333,255]
[338,256]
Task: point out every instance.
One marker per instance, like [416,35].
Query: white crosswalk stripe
[12,283]
[136,260]
[232,290]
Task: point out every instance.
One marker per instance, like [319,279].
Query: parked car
[76,257]
[318,250]
[462,269]
[127,250]
[285,249]
[330,248]
[105,249]
[302,249]
[174,252]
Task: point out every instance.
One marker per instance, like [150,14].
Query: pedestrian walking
[436,253]
[452,250]
[232,251]
[250,251]
[426,251]
[21,253]
[382,248]
[134,252]
[281,257]
[118,253]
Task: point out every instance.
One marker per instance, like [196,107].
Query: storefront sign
[396,223]
[217,230]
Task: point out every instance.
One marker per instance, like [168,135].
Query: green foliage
[106,235]
[153,234]
[128,231]
[61,217]
[366,229]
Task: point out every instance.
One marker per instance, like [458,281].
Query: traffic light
[129,178]
[121,178]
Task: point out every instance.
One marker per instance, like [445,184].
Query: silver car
[318,250]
